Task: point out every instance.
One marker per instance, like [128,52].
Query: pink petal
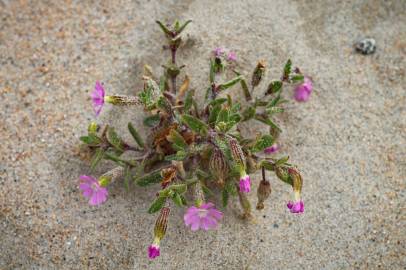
[87,190]
[192,218]
[215,214]
[195,225]
[207,205]
[208,223]
[87,178]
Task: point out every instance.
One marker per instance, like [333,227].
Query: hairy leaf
[274,87]
[150,178]
[177,140]
[194,124]
[114,140]
[229,84]
[152,120]
[262,143]
[135,135]
[157,205]
[97,157]
[91,140]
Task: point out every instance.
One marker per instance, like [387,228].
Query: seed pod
[122,100]
[161,223]
[263,192]
[258,73]
[237,153]
[218,166]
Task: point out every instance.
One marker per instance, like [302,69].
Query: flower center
[95,186]
[202,213]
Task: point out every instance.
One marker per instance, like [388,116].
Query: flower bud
[122,100]
[296,180]
[258,73]
[218,166]
[296,206]
[161,223]
[237,153]
[92,128]
[159,232]
[263,192]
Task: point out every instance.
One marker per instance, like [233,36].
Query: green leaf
[113,157]
[180,188]
[178,142]
[152,120]
[135,135]
[97,157]
[222,116]
[214,111]
[224,197]
[181,28]
[264,142]
[164,29]
[202,174]
[274,87]
[249,113]
[268,122]
[287,69]
[229,84]
[275,101]
[177,199]
[150,178]
[245,90]
[230,187]
[267,165]
[207,191]
[194,124]
[224,147]
[163,84]
[217,101]
[273,110]
[127,177]
[149,96]
[282,161]
[235,118]
[157,205]
[114,140]
[188,100]
[164,104]
[179,156]
[90,140]
[297,78]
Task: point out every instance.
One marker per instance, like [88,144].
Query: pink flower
[272,149]
[153,251]
[245,183]
[218,52]
[98,98]
[296,207]
[232,56]
[302,91]
[92,190]
[204,217]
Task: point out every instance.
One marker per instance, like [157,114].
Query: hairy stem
[173,51]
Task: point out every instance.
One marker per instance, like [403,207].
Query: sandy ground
[349,140]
